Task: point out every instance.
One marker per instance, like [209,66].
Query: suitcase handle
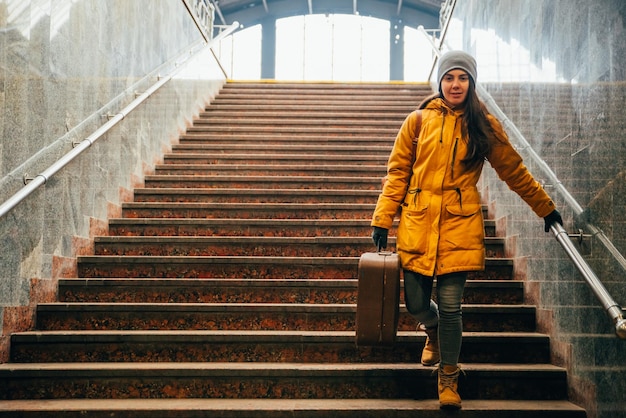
[380,250]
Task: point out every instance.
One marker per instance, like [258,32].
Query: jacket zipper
[456,142]
[443,122]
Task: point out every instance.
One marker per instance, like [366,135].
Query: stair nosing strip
[244,259]
[247,283]
[95,370]
[238,221]
[252,337]
[291,406]
[230,307]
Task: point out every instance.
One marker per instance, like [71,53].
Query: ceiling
[252,12]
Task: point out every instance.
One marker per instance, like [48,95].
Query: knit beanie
[456,60]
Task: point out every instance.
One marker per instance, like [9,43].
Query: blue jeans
[447,315]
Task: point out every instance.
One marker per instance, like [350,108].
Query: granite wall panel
[65,65]
[558,70]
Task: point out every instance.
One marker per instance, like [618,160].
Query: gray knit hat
[456,59]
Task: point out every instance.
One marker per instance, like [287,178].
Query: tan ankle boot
[448,387]
[430,353]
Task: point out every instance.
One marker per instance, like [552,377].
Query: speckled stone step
[377,170]
[261,346]
[273,381]
[315,122]
[256,291]
[255,138]
[329,89]
[331,246]
[234,246]
[283,210]
[286,408]
[260,149]
[267,182]
[246,266]
[361,113]
[346,130]
[256,316]
[375,109]
[219,194]
[314,159]
[250,227]
[239,227]
[315,101]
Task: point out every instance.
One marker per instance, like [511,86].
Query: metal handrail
[44,176]
[613,310]
[201,12]
[447,8]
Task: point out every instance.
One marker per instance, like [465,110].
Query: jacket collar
[438,104]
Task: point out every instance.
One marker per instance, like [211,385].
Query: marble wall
[558,70]
[64,66]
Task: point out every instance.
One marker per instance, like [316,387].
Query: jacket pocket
[413,231]
[462,227]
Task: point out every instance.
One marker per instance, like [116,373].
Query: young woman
[441,232]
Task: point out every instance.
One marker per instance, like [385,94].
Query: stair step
[241,194]
[330,93]
[260,149]
[317,129]
[277,169]
[327,90]
[231,106]
[283,158]
[245,266]
[250,138]
[255,291]
[284,210]
[302,183]
[250,246]
[331,86]
[261,346]
[238,227]
[256,316]
[357,121]
[245,380]
[298,111]
[248,227]
[279,408]
[319,97]
[318,101]
[234,246]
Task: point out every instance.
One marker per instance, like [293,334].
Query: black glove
[553,217]
[380,237]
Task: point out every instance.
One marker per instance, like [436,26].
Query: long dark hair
[475,126]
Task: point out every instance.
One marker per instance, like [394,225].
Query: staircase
[228,289]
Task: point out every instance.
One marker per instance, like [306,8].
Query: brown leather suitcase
[378,299]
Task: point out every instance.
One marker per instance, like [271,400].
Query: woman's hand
[380,237]
[553,217]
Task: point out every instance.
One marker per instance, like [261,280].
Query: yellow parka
[441,224]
